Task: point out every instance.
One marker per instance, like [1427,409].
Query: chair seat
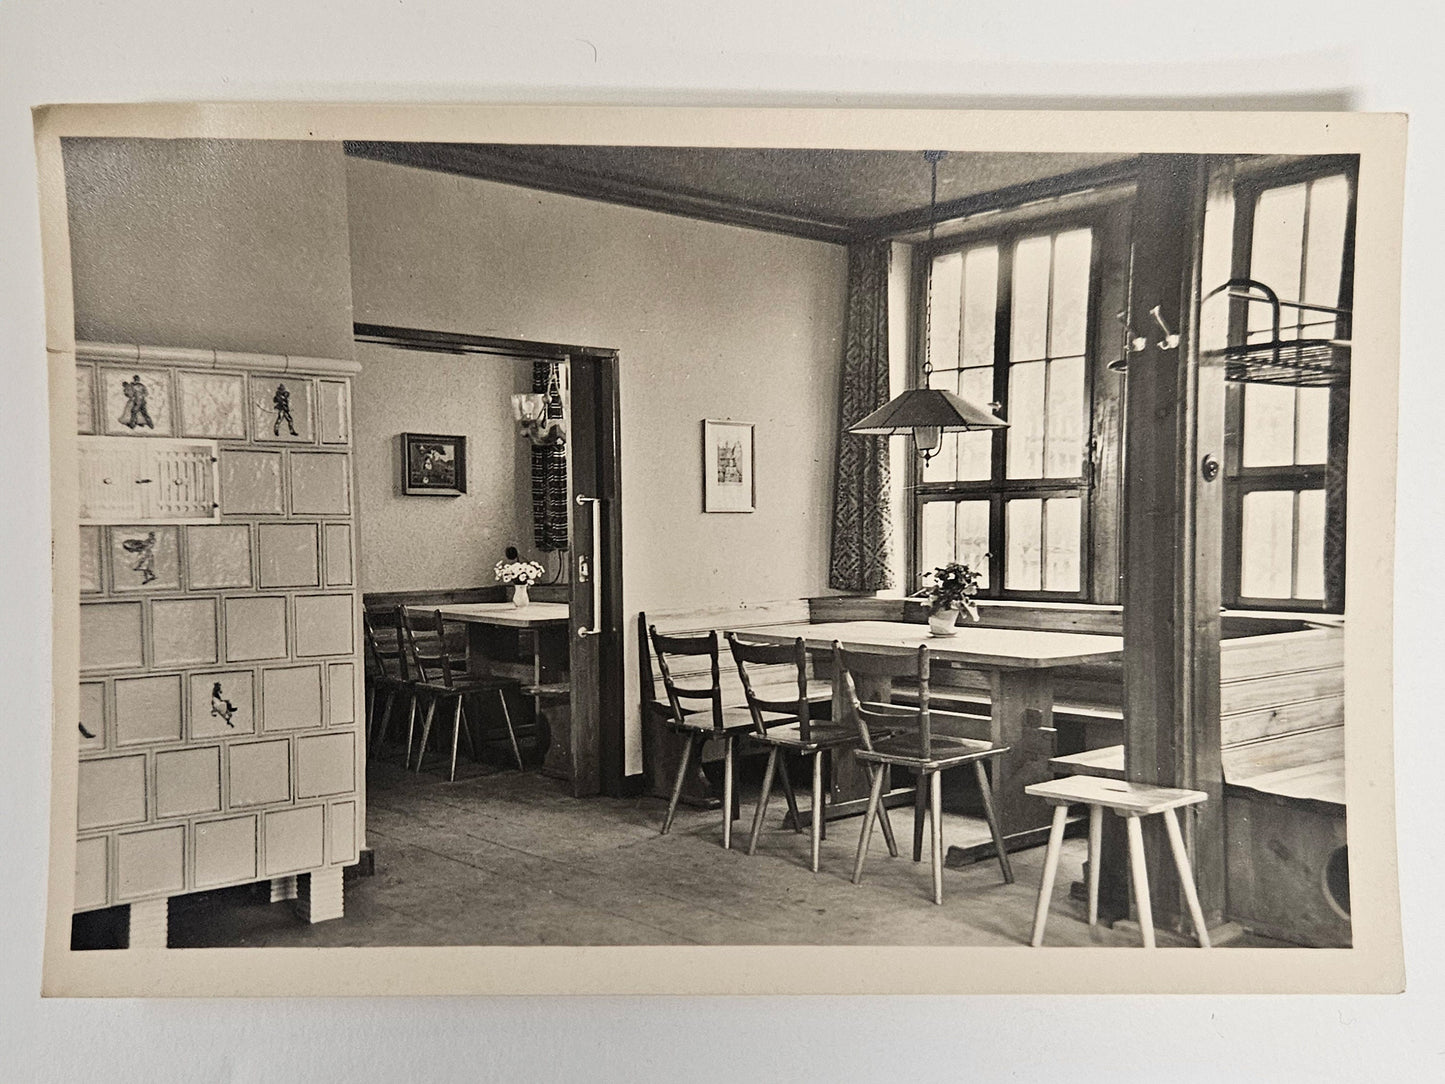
[732,719]
[465,684]
[820,736]
[948,752]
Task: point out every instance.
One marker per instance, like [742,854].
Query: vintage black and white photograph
[1040,634]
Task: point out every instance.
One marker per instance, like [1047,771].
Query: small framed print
[433,465]
[727,466]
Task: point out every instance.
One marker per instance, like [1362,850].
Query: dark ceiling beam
[471,161]
[1065,184]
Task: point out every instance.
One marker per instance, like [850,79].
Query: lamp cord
[934,157]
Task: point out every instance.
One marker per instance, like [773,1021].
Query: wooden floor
[506,858]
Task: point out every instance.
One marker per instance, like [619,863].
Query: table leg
[1021,718]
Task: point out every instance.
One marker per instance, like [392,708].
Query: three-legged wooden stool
[1130,801]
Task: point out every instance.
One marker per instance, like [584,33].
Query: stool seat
[1125,799]
[1132,801]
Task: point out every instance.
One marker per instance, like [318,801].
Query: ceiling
[834,195]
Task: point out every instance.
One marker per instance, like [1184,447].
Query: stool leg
[874,792]
[1140,876]
[1051,869]
[1096,839]
[817,825]
[1186,876]
[763,796]
[727,792]
[935,822]
[920,807]
[989,814]
[677,784]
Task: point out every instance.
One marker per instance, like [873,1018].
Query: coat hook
[1170,340]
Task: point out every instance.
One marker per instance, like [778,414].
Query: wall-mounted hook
[1170,340]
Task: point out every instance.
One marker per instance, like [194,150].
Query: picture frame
[728,481]
[433,465]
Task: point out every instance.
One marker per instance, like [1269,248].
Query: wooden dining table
[544,676]
[1019,664]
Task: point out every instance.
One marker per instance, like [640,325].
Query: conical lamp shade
[925,408]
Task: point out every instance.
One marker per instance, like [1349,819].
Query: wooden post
[1173,521]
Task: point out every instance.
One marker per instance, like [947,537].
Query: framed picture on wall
[433,465]
[727,466]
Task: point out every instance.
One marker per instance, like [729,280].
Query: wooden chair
[697,725]
[912,744]
[386,676]
[439,679]
[782,713]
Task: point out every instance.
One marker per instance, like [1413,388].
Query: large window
[1286,449]
[1010,323]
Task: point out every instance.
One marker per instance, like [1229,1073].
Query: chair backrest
[887,665]
[426,646]
[771,700]
[707,645]
[385,649]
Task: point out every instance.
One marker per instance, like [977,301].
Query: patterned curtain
[549,470]
[862,530]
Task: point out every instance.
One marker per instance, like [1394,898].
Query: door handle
[591,573]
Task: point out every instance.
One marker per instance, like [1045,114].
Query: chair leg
[1186,876]
[818,811]
[1096,840]
[873,795]
[431,707]
[884,822]
[370,713]
[1140,876]
[410,727]
[935,822]
[727,792]
[677,784]
[920,806]
[793,814]
[511,734]
[456,735]
[375,741]
[467,728]
[766,793]
[1051,869]
[989,814]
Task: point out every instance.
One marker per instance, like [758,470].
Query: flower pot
[943,623]
[519,595]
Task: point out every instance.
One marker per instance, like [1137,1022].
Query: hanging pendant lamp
[926,413]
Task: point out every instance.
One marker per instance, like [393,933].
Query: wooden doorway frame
[598,739]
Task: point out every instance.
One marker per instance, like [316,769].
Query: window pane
[1061,544]
[1312,441]
[1325,250]
[1310,557]
[1022,565]
[1026,420]
[975,450]
[1030,320]
[937,532]
[971,539]
[946,287]
[980,302]
[1064,452]
[1071,293]
[1276,252]
[1268,543]
[1268,426]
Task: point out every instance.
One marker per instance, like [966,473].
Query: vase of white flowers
[518,576]
[951,593]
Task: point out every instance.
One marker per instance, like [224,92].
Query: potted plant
[518,576]
[951,592]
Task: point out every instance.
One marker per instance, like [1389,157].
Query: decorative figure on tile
[145,552]
[281,402]
[220,706]
[136,413]
[86,734]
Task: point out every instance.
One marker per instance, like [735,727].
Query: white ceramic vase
[519,595]
[943,623]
